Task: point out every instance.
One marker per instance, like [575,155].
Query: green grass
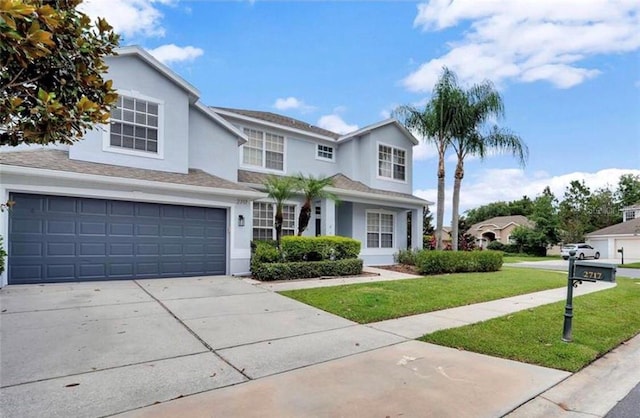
[601,321]
[371,302]
[518,258]
[630,265]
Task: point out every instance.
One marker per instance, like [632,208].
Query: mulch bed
[401,268]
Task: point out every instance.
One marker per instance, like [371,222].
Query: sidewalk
[415,379]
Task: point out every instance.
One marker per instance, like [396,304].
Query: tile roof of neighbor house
[280,120]
[503,221]
[59,160]
[340,181]
[623,228]
[632,207]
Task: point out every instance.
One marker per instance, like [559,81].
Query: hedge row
[306,269]
[295,248]
[438,262]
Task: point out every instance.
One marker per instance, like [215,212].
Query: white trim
[377,165]
[369,128]
[163,69]
[333,153]
[272,125]
[40,172]
[106,140]
[387,199]
[263,168]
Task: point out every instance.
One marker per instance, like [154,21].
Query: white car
[582,251]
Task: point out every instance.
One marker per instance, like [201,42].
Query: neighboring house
[173,188]
[625,234]
[497,229]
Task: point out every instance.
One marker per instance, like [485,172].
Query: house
[498,228]
[625,234]
[171,187]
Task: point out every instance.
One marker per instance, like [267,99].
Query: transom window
[325,152]
[264,220]
[379,230]
[134,124]
[263,149]
[391,162]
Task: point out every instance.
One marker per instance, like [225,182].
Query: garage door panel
[105,239]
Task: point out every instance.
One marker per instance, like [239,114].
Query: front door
[318,221]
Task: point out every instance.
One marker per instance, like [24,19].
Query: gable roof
[279,120]
[342,186]
[501,222]
[631,227]
[58,160]
[632,207]
[369,128]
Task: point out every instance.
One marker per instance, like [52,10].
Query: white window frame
[321,158]
[377,166]
[629,214]
[293,229]
[263,168]
[379,231]
[106,137]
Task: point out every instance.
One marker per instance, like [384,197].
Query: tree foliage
[51,85]
[522,207]
[312,188]
[427,221]
[280,189]
[628,191]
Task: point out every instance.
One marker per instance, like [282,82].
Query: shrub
[407,256]
[3,254]
[439,262]
[295,248]
[511,249]
[306,269]
[496,246]
[264,252]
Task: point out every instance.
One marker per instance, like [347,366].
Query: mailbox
[589,271]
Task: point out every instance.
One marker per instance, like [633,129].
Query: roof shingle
[623,228]
[502,221]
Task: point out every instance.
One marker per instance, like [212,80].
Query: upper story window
[629,215]
[135,125]
[391,162]
[263,149]
[379,230]
[324,152]
[263,220]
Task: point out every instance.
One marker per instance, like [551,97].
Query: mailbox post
[580,271]
[621,251]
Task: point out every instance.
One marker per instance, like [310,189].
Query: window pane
[152,121]
[152,134]
[127,103]
[141,106]
[274,160]
[141,144]
[251,156]
[127,142]
[152,108]
[140,132]
[116,128]
[372,240]
[141,118]
[127,130]
[152,146]
[398,172]
[386,240]
[116,140]
[116,113]
[127,115]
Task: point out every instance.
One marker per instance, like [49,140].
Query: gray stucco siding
[212,148]
[392,136]
[134,76]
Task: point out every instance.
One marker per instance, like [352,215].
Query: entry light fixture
[240,220]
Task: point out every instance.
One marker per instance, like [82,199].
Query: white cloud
[129,18]
[491,185]
[336,124]
[292,103]
[544,40]
[171,53]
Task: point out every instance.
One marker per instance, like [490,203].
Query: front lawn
[519,258]
[372,302]
[630,266]
[601,321]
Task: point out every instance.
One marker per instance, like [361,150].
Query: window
[135,124]
[379,230]
[263,150]
[391,162]
[629,215]
[324,152]
[263,220]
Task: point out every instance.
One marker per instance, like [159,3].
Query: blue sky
[568,71]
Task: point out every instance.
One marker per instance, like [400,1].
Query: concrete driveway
[564,266]
[104,348]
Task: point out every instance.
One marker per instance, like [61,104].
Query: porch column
[416,228]
[328,217]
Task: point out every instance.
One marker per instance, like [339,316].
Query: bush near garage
[305,257]
[440,262]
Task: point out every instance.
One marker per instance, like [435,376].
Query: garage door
[631,247]
[62,239]
[601,246]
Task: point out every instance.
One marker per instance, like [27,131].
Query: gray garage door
[62,239]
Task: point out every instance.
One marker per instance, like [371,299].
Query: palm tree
[482,103]
[312,188]
[279,189]
[437,123]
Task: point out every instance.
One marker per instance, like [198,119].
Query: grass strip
[372,302]
[519,258]
[630,266]
[601,321]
